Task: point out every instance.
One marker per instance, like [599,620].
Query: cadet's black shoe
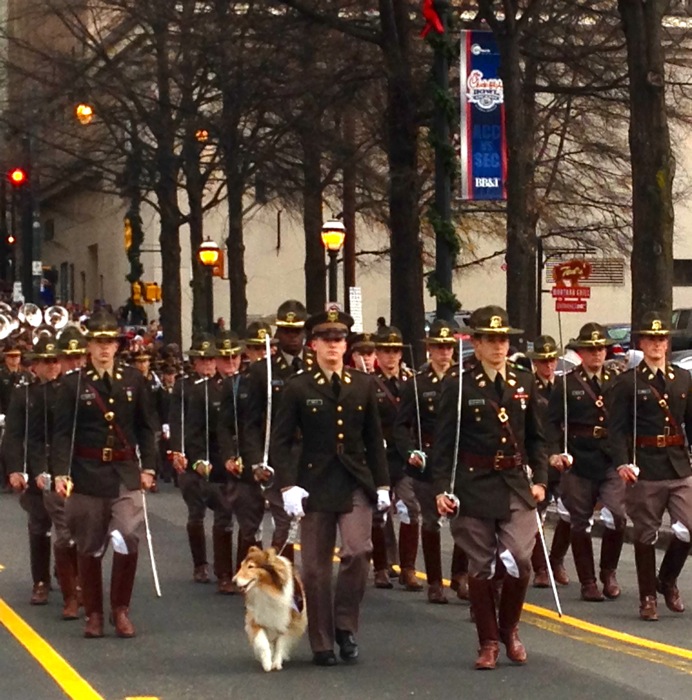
[348,647]
[324,658]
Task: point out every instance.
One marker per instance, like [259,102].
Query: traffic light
[128,234]
[17,177]
[136,294]
[152,292]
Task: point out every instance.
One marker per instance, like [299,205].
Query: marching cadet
[72,347]
[169,372]
[27,449]
[589,475]
[103,447]
[390,378]
[544,360]
[290,359]
[340,475]
[649,405]
[247,496]
[11,373]
[255,335]
[202,476]
[419,420]
[363,352]
[498,428]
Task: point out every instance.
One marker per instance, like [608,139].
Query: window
[682,273]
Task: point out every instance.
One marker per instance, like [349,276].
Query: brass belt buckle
[107,454]
[660,441]
[598,431]
[497,459]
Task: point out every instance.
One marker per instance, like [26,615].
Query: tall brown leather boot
[39,555]
[582,549]
[379,557]
[611,546]
[460,573]
[645,560]
[198,549]
[671,566]
[539,565]
[558,550]
[65,563]
[482,597]
[92,594]
[408,549]
[432,555]
[223,560]
[511,603]
[122,583]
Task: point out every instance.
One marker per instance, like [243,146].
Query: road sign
[355,301]
[571,292]
[570,305]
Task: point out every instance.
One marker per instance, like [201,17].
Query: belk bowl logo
[477,50]
[486,94]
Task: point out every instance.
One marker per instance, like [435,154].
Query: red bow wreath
[432,19]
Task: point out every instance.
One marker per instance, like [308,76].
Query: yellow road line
[57,668]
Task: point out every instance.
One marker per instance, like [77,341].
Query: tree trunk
[235,245]
[653,167]
[406,273]
[521,217]
[315,269]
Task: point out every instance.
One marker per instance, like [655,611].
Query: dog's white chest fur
[271,609]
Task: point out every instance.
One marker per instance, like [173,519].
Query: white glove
[383,499]
[166,430]
[293,501]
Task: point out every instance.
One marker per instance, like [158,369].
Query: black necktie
[336,385]
[297,364]
[660,381]
[499,385]
[596,385]
[107,382]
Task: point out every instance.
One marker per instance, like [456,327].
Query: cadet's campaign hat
[492,320]
[11,347]
[592,335]
[362,342]
[332,324]
[291,314]
[102,324]
[46,348]
[389,337]
[653,324]
[227,344]
[257,332]
[203,345]
[442,332]
[544,348]
[144,353]
[71,341]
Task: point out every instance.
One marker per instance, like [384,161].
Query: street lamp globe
[333,234]
[84,113]
[208,253]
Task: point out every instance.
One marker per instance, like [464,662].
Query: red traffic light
[17,176]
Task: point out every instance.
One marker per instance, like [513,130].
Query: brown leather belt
[496,462]
[660,440]
[106,454]
[594,431]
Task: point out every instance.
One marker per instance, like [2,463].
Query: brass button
[339,422]
[111,400]
[504,439]
[314,410]
[339,408]
[109,416]
[340,436]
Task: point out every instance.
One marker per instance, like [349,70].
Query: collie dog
[275,615]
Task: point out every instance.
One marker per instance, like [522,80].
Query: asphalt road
[191,644]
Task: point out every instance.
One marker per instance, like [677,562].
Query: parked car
[681,337]
[621,333]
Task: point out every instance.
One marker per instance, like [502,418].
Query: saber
[235,381]
[451,495]
[268,418]
[564,384]
[419,452]
[541,533]
[150,543]
[182,413]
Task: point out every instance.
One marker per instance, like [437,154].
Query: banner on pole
[483,153]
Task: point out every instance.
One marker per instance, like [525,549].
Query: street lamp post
[208,255]
[333,235]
